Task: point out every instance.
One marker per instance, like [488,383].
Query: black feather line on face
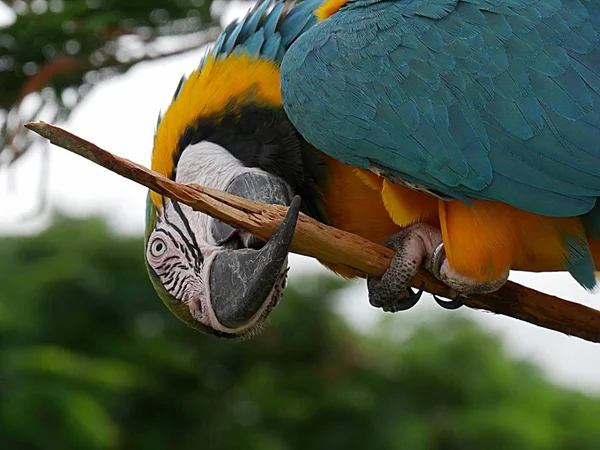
[263,137]
[188,245]
[186,223]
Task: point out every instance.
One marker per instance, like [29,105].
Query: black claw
[375,302]
[450,304]
[408,302]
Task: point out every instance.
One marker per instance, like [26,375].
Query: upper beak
[245,282]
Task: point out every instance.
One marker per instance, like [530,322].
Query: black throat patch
[263,137]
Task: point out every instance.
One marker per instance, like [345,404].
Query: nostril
[251,241]
[233,242]
[239,239]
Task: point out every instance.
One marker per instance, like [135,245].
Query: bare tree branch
[331,245]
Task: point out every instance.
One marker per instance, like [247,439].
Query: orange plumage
[486,239]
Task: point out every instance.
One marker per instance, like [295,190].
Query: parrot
[459,133]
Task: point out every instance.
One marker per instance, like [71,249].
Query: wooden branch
[331,245]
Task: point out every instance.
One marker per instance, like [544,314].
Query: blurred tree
[90,359]
[54,51]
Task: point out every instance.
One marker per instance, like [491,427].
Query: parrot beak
[257,186]
[246,281]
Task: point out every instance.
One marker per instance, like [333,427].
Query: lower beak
[244,283]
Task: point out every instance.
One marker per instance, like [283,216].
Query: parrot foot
[416,245]
[413,246]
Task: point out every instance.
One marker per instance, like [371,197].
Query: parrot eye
[158,247]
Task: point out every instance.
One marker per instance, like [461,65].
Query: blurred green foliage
[91,359]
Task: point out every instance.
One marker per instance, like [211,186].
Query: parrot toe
[391,298]
[465,286]
[413,246]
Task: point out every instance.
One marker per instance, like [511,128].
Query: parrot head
[226,129]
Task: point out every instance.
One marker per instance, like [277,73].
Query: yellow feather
[233,81]
[407,207]
[329,8]
[369,178]
[355,206]
[487,239]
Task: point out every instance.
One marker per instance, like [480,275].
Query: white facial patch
[182,248]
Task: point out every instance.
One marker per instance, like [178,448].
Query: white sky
[120,116]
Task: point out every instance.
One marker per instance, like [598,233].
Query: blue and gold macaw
[464,134]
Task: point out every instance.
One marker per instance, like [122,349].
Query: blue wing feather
[453,93]
[253,18]
[271,22]
[484,99]
[267,30]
